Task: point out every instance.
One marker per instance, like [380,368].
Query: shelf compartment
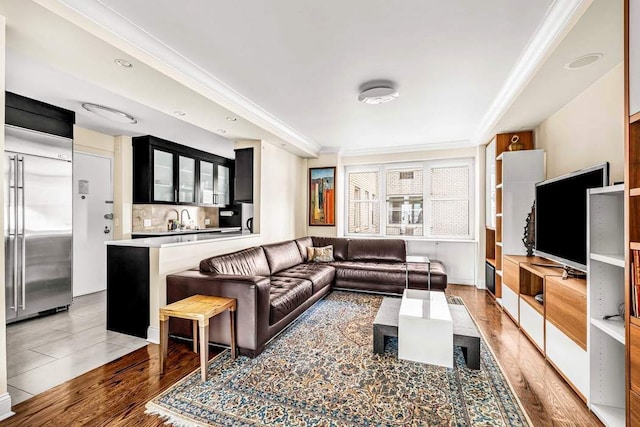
[633,166]
[634,118]
[607,374]
[613,328]
[491,261]
[613,259]
[609,415]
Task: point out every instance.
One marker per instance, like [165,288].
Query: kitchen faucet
[181,216]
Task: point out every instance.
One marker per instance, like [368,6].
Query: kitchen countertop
[180,239]
[183,232]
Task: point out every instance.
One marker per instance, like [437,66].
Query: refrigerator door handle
[14,232]
[24,240]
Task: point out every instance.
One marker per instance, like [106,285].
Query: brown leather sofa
[273,284]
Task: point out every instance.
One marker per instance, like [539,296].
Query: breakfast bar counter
[137,270]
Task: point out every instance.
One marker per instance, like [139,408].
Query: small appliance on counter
[238,215]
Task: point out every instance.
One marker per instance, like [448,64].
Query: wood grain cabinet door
[566,307]
[634,349]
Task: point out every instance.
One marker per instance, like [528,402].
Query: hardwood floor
[547,398]
[115,394]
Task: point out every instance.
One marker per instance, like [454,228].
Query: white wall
[122,187]
[588,130]
[92,142]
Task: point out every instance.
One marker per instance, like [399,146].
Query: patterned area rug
[322,372]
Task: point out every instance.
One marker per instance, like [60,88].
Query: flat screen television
[561,215]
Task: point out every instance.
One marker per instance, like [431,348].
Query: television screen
[561,215]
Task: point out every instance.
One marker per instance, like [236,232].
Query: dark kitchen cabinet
[244,175]
[170,173]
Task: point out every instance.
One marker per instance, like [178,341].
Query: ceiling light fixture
[231,119]
[583,61]
[179,113]
[123,63]
[221,131]
[377,92]
[110,113]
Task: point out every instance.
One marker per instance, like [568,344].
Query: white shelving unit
[605,292]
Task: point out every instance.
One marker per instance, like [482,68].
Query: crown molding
[561,16]
[134,40]
[449,145]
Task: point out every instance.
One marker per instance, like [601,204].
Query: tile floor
[47,351]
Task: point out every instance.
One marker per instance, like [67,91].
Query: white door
[92,223]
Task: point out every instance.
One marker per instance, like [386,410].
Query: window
[449,201]
[428,199]
[404,202]
[363,213]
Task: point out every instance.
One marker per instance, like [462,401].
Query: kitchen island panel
[128,301]
[164,255]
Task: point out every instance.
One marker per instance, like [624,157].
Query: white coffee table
[425,328]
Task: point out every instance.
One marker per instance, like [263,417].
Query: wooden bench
[465,333]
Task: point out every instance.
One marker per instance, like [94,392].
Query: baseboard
[481,284]
[454,281]
[5,406]
[153,335]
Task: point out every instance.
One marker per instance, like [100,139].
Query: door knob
[107,230]
[108,216]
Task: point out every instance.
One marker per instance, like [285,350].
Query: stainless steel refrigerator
[38,222]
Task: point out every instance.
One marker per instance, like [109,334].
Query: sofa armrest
[250,292]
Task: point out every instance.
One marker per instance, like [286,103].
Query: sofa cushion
[393,250]
[287,294]
[320,275]
[372,272]
[303,243]
[247,262]
[389,274]
[340,246]
[282,255]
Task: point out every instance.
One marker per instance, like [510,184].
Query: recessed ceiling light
[221,131]
[123,63]
[377,92]
[110,113]
[231,119]
[583,61]
[179,113]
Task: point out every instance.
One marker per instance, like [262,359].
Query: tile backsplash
[159,215]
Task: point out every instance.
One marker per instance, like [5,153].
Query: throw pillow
[323,254]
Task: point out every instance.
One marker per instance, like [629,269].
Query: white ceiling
[34,79]
[289,70]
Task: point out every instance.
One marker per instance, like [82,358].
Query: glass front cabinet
[186,180]
[166,172]
[164,189]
